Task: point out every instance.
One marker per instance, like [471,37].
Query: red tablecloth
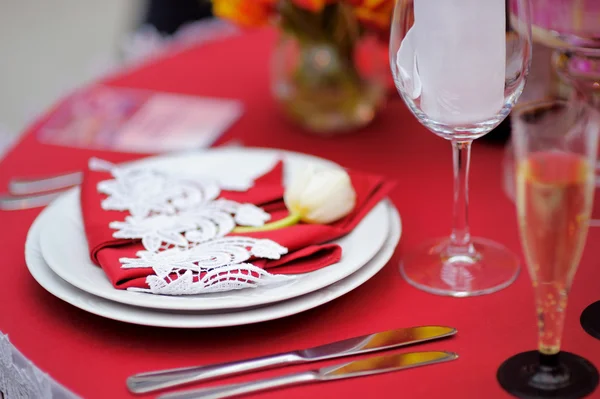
[92,356]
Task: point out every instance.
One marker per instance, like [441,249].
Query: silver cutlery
[369,366]
[15,203]
[26,192]
[157,380]
[27,186]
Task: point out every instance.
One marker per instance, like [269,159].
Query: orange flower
[245,12]
[312,5]
[375,13]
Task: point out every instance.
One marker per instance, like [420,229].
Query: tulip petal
[321,195]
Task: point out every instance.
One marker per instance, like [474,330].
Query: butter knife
[157,380]
[359,368]
[19,202]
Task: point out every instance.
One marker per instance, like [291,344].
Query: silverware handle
[32,186]
[29,186]
[231,390]
[15,203]
[156,380]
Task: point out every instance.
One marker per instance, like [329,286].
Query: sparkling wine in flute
[556,148]
[554,201]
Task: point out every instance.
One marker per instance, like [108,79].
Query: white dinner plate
[181,319]
[65,250]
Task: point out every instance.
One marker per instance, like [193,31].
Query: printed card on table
[133,120]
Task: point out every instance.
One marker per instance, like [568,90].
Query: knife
[156,380]
[359,368]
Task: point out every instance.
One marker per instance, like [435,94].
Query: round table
[93,356]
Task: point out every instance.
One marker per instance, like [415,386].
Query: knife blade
[369,366]
[157,380]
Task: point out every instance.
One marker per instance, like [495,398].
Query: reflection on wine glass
[460,66]
[555,147]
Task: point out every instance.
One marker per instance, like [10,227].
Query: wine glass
[460,66]
[555,149]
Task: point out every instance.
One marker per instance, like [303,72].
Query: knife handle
[156,380]
[231,390]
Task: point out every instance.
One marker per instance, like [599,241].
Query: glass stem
[551,303]
[460,239]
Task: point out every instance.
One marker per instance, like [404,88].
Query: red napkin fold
[307,244]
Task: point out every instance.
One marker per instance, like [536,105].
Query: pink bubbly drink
[566,23]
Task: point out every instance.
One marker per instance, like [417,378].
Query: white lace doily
[182,226]
[211,266]
[21,379]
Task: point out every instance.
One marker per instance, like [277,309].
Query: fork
[27,192]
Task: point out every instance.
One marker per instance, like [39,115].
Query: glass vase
[325,87]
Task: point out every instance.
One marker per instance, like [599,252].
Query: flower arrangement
[323,73]
[371,14]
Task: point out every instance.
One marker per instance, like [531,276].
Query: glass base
[439,269]
[571,377]
[590,319]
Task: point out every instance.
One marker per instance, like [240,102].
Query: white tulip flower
[315,195]
[321,195]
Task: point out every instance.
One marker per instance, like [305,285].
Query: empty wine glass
[555,148]
[460,66]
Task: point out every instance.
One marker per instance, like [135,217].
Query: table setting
[291,248]
[133,280]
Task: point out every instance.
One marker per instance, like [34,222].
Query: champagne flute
[460,66]
[555,145]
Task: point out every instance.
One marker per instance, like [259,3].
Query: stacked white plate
[57,256]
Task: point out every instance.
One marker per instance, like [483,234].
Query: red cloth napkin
[307,244]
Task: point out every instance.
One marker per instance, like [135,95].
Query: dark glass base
[590,319]
[564,375]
